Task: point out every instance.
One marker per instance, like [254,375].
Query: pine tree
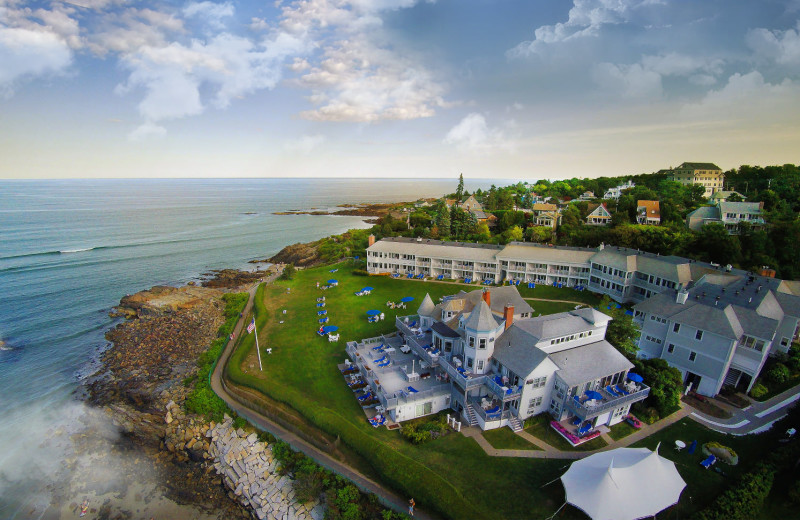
[460,189]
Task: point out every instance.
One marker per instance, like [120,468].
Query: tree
[288,272]
[512,234]
[539,234]
[460,189]
[621,332]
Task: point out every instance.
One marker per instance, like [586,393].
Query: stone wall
[248,468]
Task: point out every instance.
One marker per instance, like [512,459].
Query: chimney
[371,240]
[508,315]
[487,297]
[766,272]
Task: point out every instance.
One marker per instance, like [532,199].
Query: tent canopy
[623,484]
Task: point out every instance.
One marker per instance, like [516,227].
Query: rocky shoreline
[144,379]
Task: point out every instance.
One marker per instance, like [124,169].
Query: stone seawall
[248,468]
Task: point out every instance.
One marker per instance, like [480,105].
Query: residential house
[724,195]
[648,212]
[730,214]
[616,192]
[709,175]
[487,359]
[720,330]
[546,215]
[586,195]
[598,215]
[471,205]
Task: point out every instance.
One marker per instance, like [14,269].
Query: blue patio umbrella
[591,394]
[333,281]
[636,378]
[373,312]
[692,447]
[406,299]
[329,328]
[367,289]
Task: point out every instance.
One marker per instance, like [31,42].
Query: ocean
[70,249]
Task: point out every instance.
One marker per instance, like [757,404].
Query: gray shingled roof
[500,297]
[589,362]
[515,349]
[427,307]
[518,251]
[591,315]
[707,212]
[481,318]
[698,166]
[747,208]
[443,330]
[554,325]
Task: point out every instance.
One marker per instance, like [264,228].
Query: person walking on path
[411,505]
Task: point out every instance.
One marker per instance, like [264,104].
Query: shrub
[794,492]
[743,500]
[360,272]
[794,364]
[647,414]
[758,391]
[778,374]
[288,272]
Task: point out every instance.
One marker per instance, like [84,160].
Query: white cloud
[26,53]
[305,144]
[213,14]
[748,97]
[473,133]
[628,81]
[782,47]
[147,131]
[585,19]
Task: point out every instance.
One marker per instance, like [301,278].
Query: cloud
[748,97]
[628,81]
[26,53]
[212,14]
[306,144]
[782,47]
[472,133]
[586,18]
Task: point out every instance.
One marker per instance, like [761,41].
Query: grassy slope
[505,439]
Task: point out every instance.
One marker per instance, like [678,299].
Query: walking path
[755,418]
[387,496]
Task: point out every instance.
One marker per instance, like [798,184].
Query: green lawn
[505,439]
[539,427]
[703,485]
[621,430]
[549,292]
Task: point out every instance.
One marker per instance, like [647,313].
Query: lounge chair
[440,277]
[611,391]
[381,360]
[577,399]
[323,320]
[620,390]
[576,421]
[322,312]
[364,397]
[379,348]
[413,324]
[709,461]
[435,352]
[412,390]
[584,429]
[384,364]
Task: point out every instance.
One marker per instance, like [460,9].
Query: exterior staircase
[515,424]
[472,419]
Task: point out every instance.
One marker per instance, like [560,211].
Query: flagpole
[258,350]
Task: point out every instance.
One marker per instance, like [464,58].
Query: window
[480,365]
[482,343]
[784,342]
[692,356]
[670,348]
[469,362]
[676,327]
[698,335]
[533,403]
[471,341]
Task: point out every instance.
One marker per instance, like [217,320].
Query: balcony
[608,403]
[405,328]
[505,393]
[466,380]
[417,346]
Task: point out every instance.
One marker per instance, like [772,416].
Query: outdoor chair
[576,421]
[611,391]
[709,461]
[385,364]
[412,390]
[620,391]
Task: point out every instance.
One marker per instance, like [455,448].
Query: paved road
[387,496]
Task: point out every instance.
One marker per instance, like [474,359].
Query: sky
[395,88]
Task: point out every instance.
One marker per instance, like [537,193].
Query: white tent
[623,484]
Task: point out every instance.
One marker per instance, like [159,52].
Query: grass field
[505,439]
[452,474]
[539,426]
[621,430]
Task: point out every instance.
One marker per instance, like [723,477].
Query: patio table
[679,445]
[389,350]
[405,349]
